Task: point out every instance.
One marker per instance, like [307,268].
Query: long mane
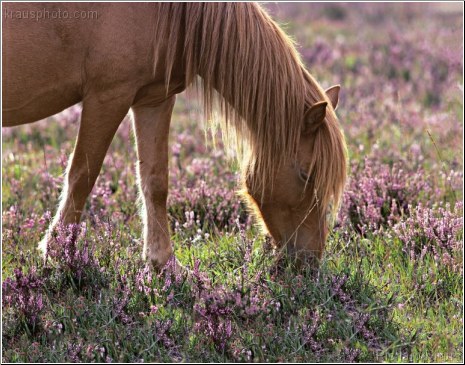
[249,69]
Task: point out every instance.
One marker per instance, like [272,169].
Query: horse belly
[41,66]
[36,107]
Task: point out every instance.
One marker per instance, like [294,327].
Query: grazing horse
[138,56]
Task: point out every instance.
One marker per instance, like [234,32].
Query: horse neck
[247,66]
[241,54]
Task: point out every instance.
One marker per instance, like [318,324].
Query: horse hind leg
[151,127]
[99,123]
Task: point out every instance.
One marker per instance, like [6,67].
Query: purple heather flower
[23,295]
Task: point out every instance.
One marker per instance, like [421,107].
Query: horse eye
[303,176]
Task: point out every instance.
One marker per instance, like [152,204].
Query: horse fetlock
[57,235]
[43,245]
[157,256]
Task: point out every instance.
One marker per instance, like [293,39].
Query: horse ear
[333,95]
[315,117]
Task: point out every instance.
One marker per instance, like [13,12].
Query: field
[390,287]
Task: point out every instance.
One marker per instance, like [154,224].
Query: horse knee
[154,188]
[80,180]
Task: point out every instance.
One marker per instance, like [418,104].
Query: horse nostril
[304,257]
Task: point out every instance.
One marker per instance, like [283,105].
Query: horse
[135,57]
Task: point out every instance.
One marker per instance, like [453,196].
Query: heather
[390,287]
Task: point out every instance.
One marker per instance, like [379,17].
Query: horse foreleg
[151,127]
[99,123]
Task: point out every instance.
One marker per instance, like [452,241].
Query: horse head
[295,208]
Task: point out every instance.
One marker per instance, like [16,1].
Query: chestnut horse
[138,56]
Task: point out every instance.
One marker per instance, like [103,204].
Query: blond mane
[250,69]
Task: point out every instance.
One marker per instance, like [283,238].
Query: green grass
[410,324]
